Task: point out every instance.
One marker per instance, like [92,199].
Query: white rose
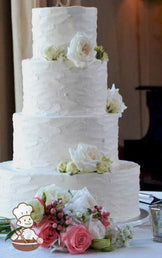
[85,157]
[96,228]
[115,102]
[80,202]
[80,51]
[83,198]
[53,193]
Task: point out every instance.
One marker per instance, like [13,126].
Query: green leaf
[4,226]
[70,193]
[59,199]
[83,217]
[101,53]
[104,158]
[89,211]
[44,197]
[4,223]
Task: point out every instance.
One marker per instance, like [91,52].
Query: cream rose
[54,192]
[72,168]
[86,157]
[80,51]
[38,209]
[53,53]
[61,167]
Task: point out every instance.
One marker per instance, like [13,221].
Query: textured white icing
[116,191]
[53,88]
[56,26]
[44,141]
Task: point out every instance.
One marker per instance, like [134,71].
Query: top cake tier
[57,26]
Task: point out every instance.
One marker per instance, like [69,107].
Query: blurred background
[131,32]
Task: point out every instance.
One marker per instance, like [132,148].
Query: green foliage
[70,193]
[4,226]
[101,54]
[89,211]
[44,197]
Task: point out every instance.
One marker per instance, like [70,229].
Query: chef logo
[24,238]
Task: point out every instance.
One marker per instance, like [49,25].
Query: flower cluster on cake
[73,221]
[79,53]
[85,159]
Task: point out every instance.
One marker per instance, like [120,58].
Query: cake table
[141,246]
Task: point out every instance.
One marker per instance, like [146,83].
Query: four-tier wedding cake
[67,133]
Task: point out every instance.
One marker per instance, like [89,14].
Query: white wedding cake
[65,134]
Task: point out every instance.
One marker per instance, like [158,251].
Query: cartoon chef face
[23,215]
[25,221]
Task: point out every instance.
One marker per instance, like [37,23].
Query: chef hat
[22,209]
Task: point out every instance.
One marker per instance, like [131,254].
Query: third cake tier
[57,88]
[42,142]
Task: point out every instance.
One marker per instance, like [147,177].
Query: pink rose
[77,239]
[46,231]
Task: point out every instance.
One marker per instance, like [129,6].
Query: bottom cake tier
[116,191]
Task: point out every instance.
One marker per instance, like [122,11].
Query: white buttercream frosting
[54,88]
[116,191]
[57,26]
[45,141]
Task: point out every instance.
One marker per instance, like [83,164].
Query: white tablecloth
[141,246]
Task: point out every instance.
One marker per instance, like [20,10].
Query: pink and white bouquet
[72,221]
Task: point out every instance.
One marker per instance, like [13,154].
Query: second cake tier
[55,88]
[42,142]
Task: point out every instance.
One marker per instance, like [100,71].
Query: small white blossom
[115,102]
[120,235]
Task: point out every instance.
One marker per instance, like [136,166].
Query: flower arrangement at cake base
[72,221]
